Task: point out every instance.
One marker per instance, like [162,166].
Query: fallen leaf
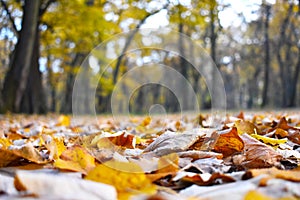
[256,154]
[255,195]
[208,165]
[229,142]
[168,163]
[268,140]
[171,142]
[245,127]
[7,157]
[55,146]
[229,191]
[125,139]
[75,158]
[56,186]
[290,175]
[30,153]
[294,136]
[207,179]
[195,155]
[281,133]
[63,120]
[126,177]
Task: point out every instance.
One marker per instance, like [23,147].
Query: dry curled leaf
[58,186]
[171,142]
[256,154]
[125,177]
[77,159]
[290,175]
[229,142]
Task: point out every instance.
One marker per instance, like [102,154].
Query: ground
[247,155]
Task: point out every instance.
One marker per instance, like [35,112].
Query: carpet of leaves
[235,156]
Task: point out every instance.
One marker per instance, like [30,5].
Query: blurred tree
[287,49]
[22,89]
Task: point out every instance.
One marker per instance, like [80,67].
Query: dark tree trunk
[17,77]
[267,58]
[34,98]
[183,67]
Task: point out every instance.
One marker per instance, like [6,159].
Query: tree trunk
[67,105]
[267,58]
[183,69]
[34,100]
[17,77]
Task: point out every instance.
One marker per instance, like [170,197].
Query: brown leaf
[206,179]
[195,155]
[125,140]
[294,136]
[7,157]
[257,154]
[229,142]
[290,175]
[30,153]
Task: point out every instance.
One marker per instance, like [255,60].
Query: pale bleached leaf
[171,142]
[61,186]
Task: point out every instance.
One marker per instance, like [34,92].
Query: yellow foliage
[128,178]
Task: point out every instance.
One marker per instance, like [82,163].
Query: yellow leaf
[63,120]
[267,140]
[60,146]
[56,147]
[255,195]
[168,163]
[128,178]
[245,127]
[76,158]
[4,143]
[146,121]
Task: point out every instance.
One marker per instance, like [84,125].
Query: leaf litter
[243,156]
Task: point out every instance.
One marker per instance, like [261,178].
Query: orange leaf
[124,140]
[229,142]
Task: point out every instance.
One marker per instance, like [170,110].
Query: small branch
[10,17]
[45,7]
[130,38]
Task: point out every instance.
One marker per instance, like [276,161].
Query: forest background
[44,42]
